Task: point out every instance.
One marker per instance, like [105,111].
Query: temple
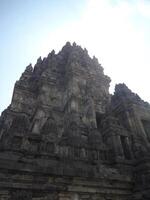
[65,137]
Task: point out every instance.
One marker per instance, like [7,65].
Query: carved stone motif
[64,137]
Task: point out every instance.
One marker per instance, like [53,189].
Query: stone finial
[27,72]
[74,44]
[121,87]
[66,49]
[39,60]
[67,44]
[95,59]
[29,68]
[85,50]
[52,53]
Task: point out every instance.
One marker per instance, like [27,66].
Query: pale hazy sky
[117,32]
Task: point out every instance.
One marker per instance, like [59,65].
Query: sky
[117,32]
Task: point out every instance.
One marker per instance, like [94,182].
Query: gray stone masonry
[64,137]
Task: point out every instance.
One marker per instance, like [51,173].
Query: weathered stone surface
[65,137]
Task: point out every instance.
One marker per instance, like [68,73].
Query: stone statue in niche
[73,128]
[20,124]
[25,144]
[47,147]
[16,142]
[18,128]
[39,119]
[50,130]
[139,150]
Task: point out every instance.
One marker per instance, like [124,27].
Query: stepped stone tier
[64,137]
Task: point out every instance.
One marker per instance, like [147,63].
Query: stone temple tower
[64,137]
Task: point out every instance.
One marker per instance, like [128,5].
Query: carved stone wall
[65,137]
